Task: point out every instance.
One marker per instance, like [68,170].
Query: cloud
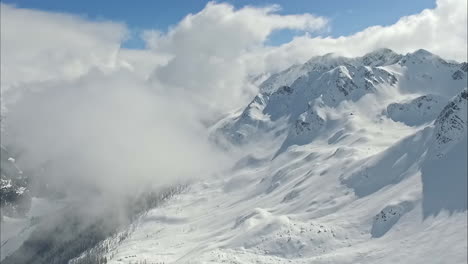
[108,132]
[207,50]
[77,105]
[38,45]
[442,30]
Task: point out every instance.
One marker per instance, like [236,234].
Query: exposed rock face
[417,111]
[458,75]
[381,57]
[14,194]
[388,217]
[451,124]
[464,67]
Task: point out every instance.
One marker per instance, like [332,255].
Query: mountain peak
[423,56]
[422,53]
[327,59]
[380,57]
[381,51]
[326,62]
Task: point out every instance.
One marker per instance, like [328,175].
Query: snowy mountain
[304,93]
[346,160]
[343,160]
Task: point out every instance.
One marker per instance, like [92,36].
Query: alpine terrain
[340,160]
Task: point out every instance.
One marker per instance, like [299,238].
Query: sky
[347,17]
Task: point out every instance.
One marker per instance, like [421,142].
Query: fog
[92,117]
[111,145]
[113,132]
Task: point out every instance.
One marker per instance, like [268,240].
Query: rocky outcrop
[418,111]
[451,124]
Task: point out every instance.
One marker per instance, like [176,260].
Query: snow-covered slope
[416,111]
[346,160]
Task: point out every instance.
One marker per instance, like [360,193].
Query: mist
[111,145]
[100,118]
[110,132]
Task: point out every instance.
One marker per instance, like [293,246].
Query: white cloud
[38,46]
[80,106]
[442,30]
[107,131]
[208,48]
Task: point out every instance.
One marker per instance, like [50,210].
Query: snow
[418,111]
[345,160]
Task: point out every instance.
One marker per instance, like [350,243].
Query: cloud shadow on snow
[445,188]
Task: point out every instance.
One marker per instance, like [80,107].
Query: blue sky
[346,17]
